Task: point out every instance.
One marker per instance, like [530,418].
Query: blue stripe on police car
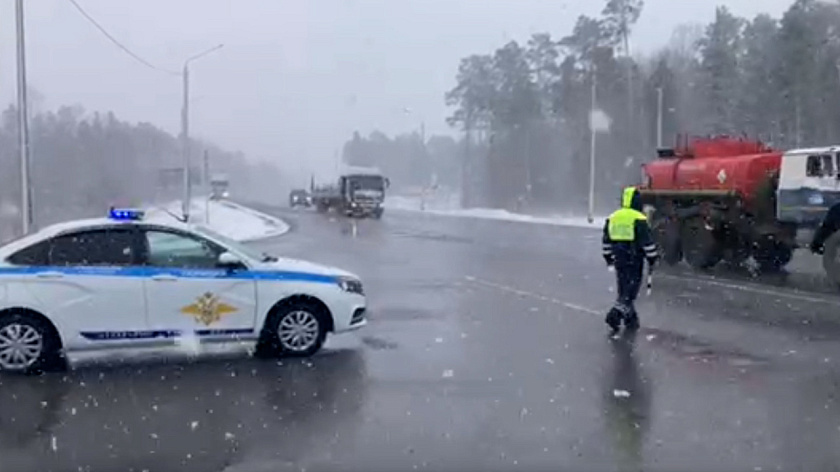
[146,272]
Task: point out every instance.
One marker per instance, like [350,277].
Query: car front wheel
[297,330]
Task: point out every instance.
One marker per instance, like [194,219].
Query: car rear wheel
[297,329]
[27,344]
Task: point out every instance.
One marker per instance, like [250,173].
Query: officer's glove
[610,260]
[652,261]
[817,248]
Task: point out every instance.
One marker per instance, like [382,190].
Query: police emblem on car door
[208,309]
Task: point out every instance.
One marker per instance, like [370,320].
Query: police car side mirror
[229,261]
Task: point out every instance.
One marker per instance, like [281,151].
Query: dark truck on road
[358,193]
[299,197]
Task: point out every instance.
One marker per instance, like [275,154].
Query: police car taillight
[126,214]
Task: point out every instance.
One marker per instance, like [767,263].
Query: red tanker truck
[728,199]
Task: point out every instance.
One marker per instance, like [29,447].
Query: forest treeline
[522,111]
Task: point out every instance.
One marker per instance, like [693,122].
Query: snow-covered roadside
[435,207]
[227,218]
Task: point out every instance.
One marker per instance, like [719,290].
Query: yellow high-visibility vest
[622,225]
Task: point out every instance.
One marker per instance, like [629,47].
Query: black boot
[631,321]
[613,319]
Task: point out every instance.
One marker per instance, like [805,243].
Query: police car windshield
[235,245]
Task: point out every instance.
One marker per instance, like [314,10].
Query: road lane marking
[749,288]
[507,288]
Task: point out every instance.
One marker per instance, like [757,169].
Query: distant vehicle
[723,198]
[219,185]
[122,282]
[299,197]
[359,193]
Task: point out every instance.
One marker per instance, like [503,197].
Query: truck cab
[363,194]
[809,184]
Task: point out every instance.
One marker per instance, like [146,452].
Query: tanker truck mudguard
[724,199]
[359,192]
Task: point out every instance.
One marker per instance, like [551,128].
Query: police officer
[627,242]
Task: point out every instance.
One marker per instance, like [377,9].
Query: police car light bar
[126,214]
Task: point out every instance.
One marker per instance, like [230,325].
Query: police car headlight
[351,285]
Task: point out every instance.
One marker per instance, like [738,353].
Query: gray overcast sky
[296,77]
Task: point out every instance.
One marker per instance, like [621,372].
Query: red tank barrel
[713,164]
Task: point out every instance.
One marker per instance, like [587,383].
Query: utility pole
[659,117]
[208,186]
[593,132]
[426,164]
[185,129]
[798,110]
[625,30]
[23,123]
[528,178]
[630,115]
[466,170]
[185,142]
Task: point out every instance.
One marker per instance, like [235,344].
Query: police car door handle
[164,278]
[50,275]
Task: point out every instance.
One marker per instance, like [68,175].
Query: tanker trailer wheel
[667,236]
[699,244]
[831,258]
[772,255]
[735,251]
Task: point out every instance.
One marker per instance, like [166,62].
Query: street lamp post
[593,133]
[659,117]
[23,122]
[185,129]
[408,111]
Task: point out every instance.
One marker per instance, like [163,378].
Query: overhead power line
[117,43]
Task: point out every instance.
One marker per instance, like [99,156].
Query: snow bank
[449,207]
[227,218]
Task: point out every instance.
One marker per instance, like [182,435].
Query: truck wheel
[699,245]
[772,255]
[735,256]
[831,258]
[668,239]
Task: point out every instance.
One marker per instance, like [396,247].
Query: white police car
[122,282]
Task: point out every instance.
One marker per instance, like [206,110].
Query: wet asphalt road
[486,350]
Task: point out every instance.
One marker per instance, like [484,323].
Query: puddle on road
[700,351]
[430,236]
[402,314]
[379,344]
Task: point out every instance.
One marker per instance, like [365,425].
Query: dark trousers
[629,276]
